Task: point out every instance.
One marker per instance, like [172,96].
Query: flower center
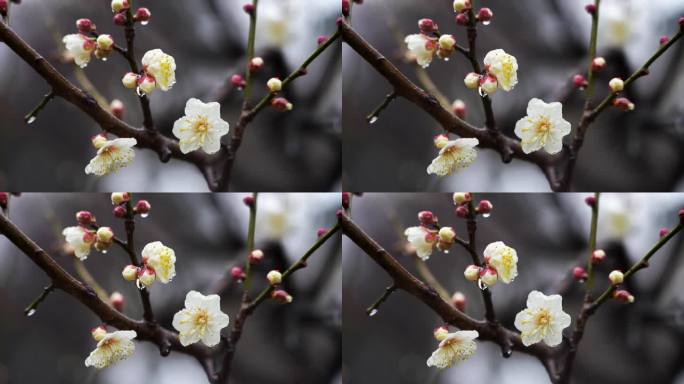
[543,318]
[543,125]
[507,261]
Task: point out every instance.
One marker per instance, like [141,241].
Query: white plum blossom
[422,239]
[80,239]
[422,47]
[112,156]
[457,154]
[504,67]
[162,259]
[160,66]
[81,47]
[543,319]
[543,127]
[201,319]
[504,259]
[454,348]
[201,127]
[113,347]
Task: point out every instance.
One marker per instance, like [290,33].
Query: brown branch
[63,281]
[404,280]
[129,54]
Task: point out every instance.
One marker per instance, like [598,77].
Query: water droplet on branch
[373,120]
[31,312]
[373,312]
[31,120]
[481,285]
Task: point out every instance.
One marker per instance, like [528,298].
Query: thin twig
[31,116]
[375,114]
[31,309]
[373,309]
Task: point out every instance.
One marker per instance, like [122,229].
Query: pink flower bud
[681,214]
[98,333]
[85,218]
[120,19]
[485,15]
[256,64]
[321,40]
[3,7]
[346,199]
[427,26]
[116,300]
[484,207]
[440,141]
[4,199]
[248,200]
[321,232]
[458,300]
[426,218]
[237,274]
[663,232]
[85,26]
[119,211]
[255,256]
[281,104]
[598,256]
[459,108]
[664,40]
[117,108]
[142,207]
[590,200]
[623,296]
[681,22]
[280,296]
[462,211]
[579,274]
[248,8]
[623,104]
[237,81]
[462,19]
[346,7]
[440,333]
[598,64]
[143,15]
[590,8]
[579,81]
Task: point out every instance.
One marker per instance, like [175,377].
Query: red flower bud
[321,231]
[484,207]
[426,218]
[119,211]
[462,211]
[579,274]
[664,40]
[579,81]
[346,7]
[248,200]
[85,26]
[623,296]
[120,19]
[85,218]
[142,207]
[590,200]
[4,199]
[237,274]
[281,296]
[346,200]
[237,81]
[3,7]
[143,15]
[462,19]
[590,8]
[663,232]
[427,26]
[281,104]
[321,39]
[248,8]
[485,15]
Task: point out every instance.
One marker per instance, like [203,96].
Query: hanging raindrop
[487,22]
[104,59]
[31,312]
[486,215]
[31,120]
[373,120]
[104,251]
[481,285]
[144,215]
[139,284]
[373,312]
[144,22]
[481,92]
[139,92]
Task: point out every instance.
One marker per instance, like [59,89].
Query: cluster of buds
[617,85]
[104,239]
[105,46]
[120,201]
[461,200]
[485,275]
[446,238]
[281,296]
[120,9]
[616,278]
[463,8]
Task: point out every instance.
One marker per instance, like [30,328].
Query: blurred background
[638,343]
[636,151]
[296,151]
[281,344]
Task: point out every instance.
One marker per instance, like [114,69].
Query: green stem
[251,229]
[592,51]
[250,52]
[592,243]
[31,116]
[31,309]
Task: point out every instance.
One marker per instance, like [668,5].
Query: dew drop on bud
[481,92]
[104,59]
[144,22]
[144,215]
[480,284]
[31,312]
[446,59]
[139,92]
[486,215]
[139,284]
[445,251]
[104,251]
[486,22]
[31,120]
[373,120]
[373,312]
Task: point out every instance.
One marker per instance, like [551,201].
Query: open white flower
[456,155]
[81,47]
[422,47]
[504,67]
[201,319]
[454,348]
[112,156]
[162,67]
[113,347]
[543,127]
[162,259]
[504,259]
[543,319]
[201,127]
[81,239]
[422,239]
